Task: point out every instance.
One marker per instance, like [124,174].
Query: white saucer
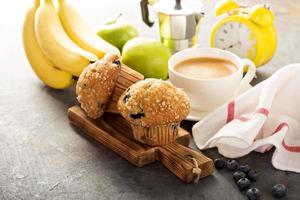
[196,115]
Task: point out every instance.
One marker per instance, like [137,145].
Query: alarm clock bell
[246,31]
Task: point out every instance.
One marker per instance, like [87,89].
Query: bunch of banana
[59,44]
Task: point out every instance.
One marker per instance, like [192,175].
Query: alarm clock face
[237,38]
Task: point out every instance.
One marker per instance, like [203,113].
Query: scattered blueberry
[219,163]
[253,194]
[244,168]
[137,115]
[252,175]
[231,165]
[238,175]
[279,190]
[243,183]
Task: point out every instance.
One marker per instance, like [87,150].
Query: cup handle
[245,83]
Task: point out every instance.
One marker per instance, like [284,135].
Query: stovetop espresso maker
[178,21]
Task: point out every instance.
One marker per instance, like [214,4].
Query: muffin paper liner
[155,135]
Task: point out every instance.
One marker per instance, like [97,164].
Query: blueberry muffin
[101,83]
[154,109]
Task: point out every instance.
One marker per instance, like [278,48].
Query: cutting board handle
[187,164]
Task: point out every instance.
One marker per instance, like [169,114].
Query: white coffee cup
[208,94]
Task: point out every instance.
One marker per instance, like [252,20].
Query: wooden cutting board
[114,132]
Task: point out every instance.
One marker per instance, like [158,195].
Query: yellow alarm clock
[248,32]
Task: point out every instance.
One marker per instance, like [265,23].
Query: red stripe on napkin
[295,149]
[280,126]
[243,119]
[230,111]
[263,111]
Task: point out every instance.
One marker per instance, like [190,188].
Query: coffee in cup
[205,67]
[210,77]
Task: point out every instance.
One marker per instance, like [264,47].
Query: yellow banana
[80,32]
[40,64]
[56,44]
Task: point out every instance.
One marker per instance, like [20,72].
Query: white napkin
[266,115]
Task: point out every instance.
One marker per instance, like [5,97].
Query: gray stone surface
[43,157]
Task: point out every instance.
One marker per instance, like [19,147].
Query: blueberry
[253,194]
[219,163]
[117,62]
[243,183]
[279,190]
[238,175]
[126,97]
[244,168]
[231,165]
[137,115]
[252,175]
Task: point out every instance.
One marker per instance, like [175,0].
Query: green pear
[117,32]
[147,56]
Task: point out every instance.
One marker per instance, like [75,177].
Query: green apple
[147,56]
[118,32]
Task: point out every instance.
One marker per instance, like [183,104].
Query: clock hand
[233,45]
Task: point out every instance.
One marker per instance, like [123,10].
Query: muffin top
[153,102]
[96,83]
